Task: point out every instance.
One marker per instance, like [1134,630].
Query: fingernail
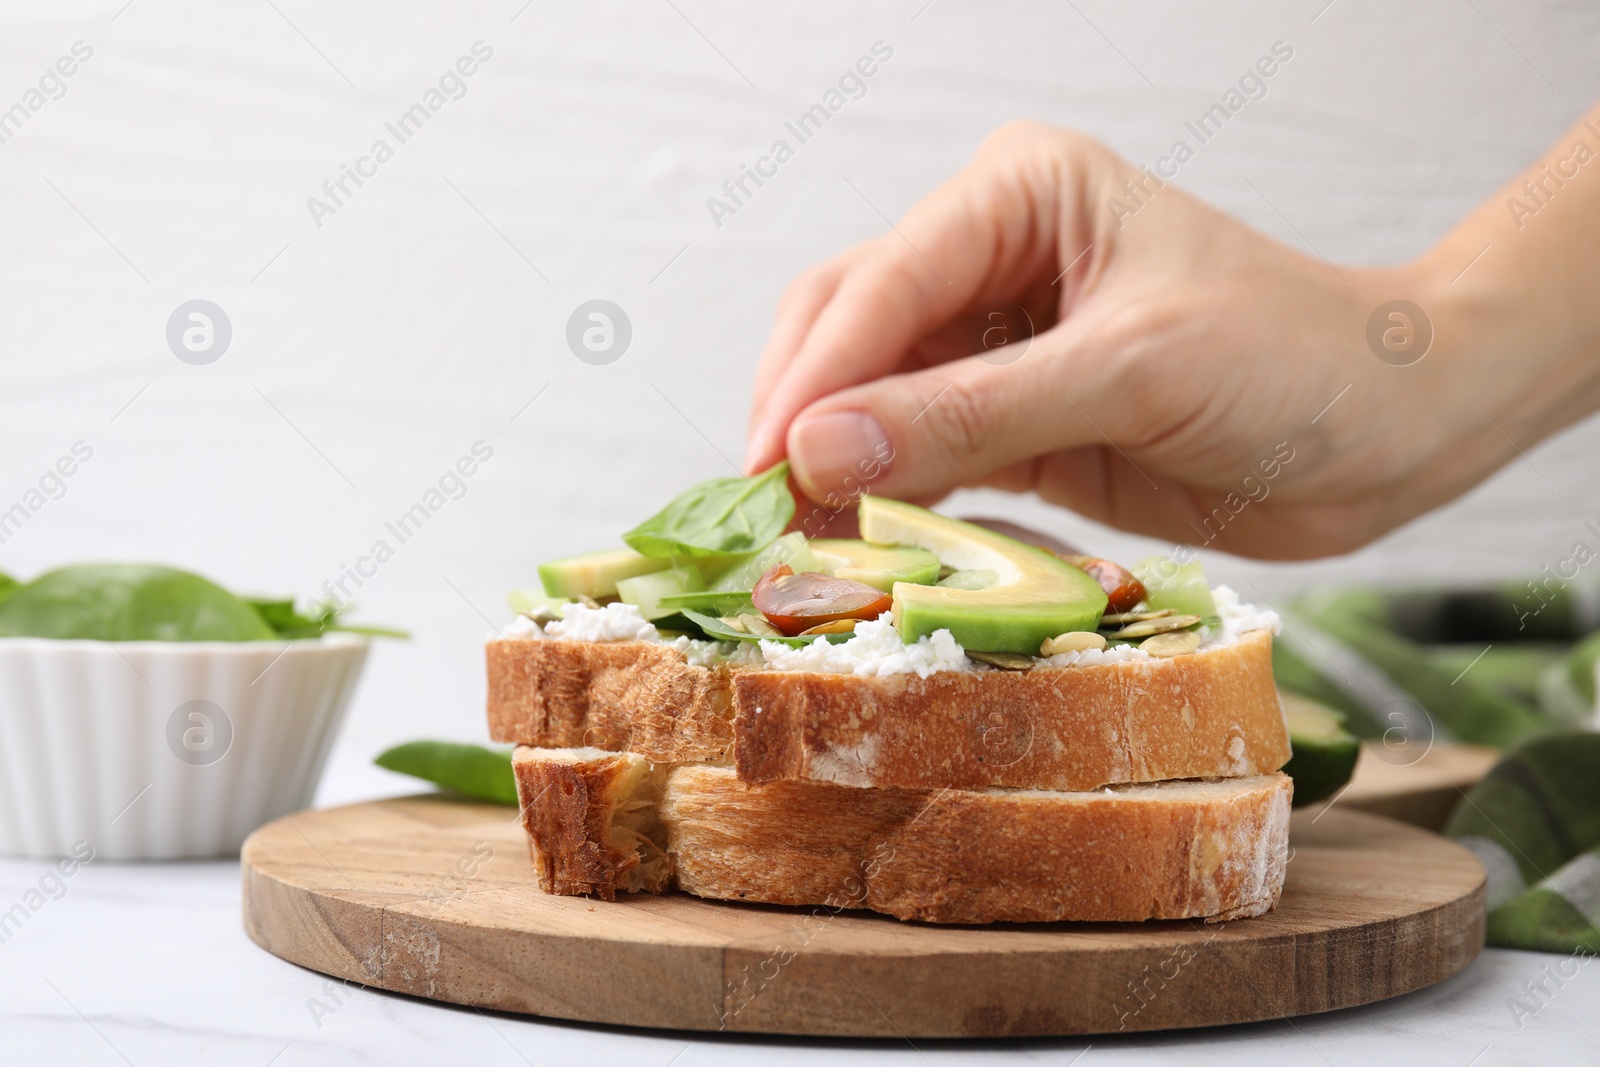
[838,452]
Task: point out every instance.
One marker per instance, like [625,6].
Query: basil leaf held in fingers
[471,770]
[129,602]
[724,515]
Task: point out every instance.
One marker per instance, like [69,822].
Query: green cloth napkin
[1511,668]
[1534,824]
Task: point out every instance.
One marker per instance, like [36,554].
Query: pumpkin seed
[1072,641]
[755,625]
[837,626]
[1005,660]
[1156,626]
[1174,643]
[1122,618]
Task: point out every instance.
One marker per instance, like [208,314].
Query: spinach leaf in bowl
[129,602]
[289,623]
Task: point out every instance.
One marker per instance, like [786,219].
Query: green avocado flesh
[875,565]
[596,574]
[533,601]
[1324,752]
[1037,596]
[129,602]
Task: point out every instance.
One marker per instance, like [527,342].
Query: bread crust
[1214,849]
[1214,714]
[1164,851]
[633,696]
[1210,714]
[570,802]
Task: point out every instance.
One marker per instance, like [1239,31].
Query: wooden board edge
[389,948]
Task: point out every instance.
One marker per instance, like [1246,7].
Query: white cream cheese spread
[875,649]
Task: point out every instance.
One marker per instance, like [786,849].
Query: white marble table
[148,964]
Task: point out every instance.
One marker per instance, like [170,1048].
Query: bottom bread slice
[607,822]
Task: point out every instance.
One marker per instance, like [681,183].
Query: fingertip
[836,452]
[761,451]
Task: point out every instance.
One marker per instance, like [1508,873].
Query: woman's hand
[1189,378]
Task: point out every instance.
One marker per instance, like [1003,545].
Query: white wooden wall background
[371,352]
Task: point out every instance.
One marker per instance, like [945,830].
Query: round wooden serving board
[436,898]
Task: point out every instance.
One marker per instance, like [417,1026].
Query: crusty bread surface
[1170,850]
[1209,714]
[634,696]
[592,822]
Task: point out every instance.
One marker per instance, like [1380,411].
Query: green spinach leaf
[290,624]
[724,515]
[146,602]
[720,603]
[471,770]
[717,630]
[129,602]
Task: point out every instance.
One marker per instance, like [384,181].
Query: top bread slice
[1210,714]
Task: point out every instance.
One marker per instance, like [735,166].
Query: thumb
[921,434]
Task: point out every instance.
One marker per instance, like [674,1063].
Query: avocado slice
[595,574]
[1037,596]
[1325,752]
[875,565]
[534,602]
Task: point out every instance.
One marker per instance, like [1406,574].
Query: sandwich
[937,720]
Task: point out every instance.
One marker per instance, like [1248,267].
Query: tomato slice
[795,602]
[1123,590]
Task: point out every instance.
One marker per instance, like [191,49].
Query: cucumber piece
[646,590]
[740,573]
[709,602]
[879,566]
[596,574]
[1037,596]
[1325,752]
[1179,586]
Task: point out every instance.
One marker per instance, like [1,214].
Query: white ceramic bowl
[151,750]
